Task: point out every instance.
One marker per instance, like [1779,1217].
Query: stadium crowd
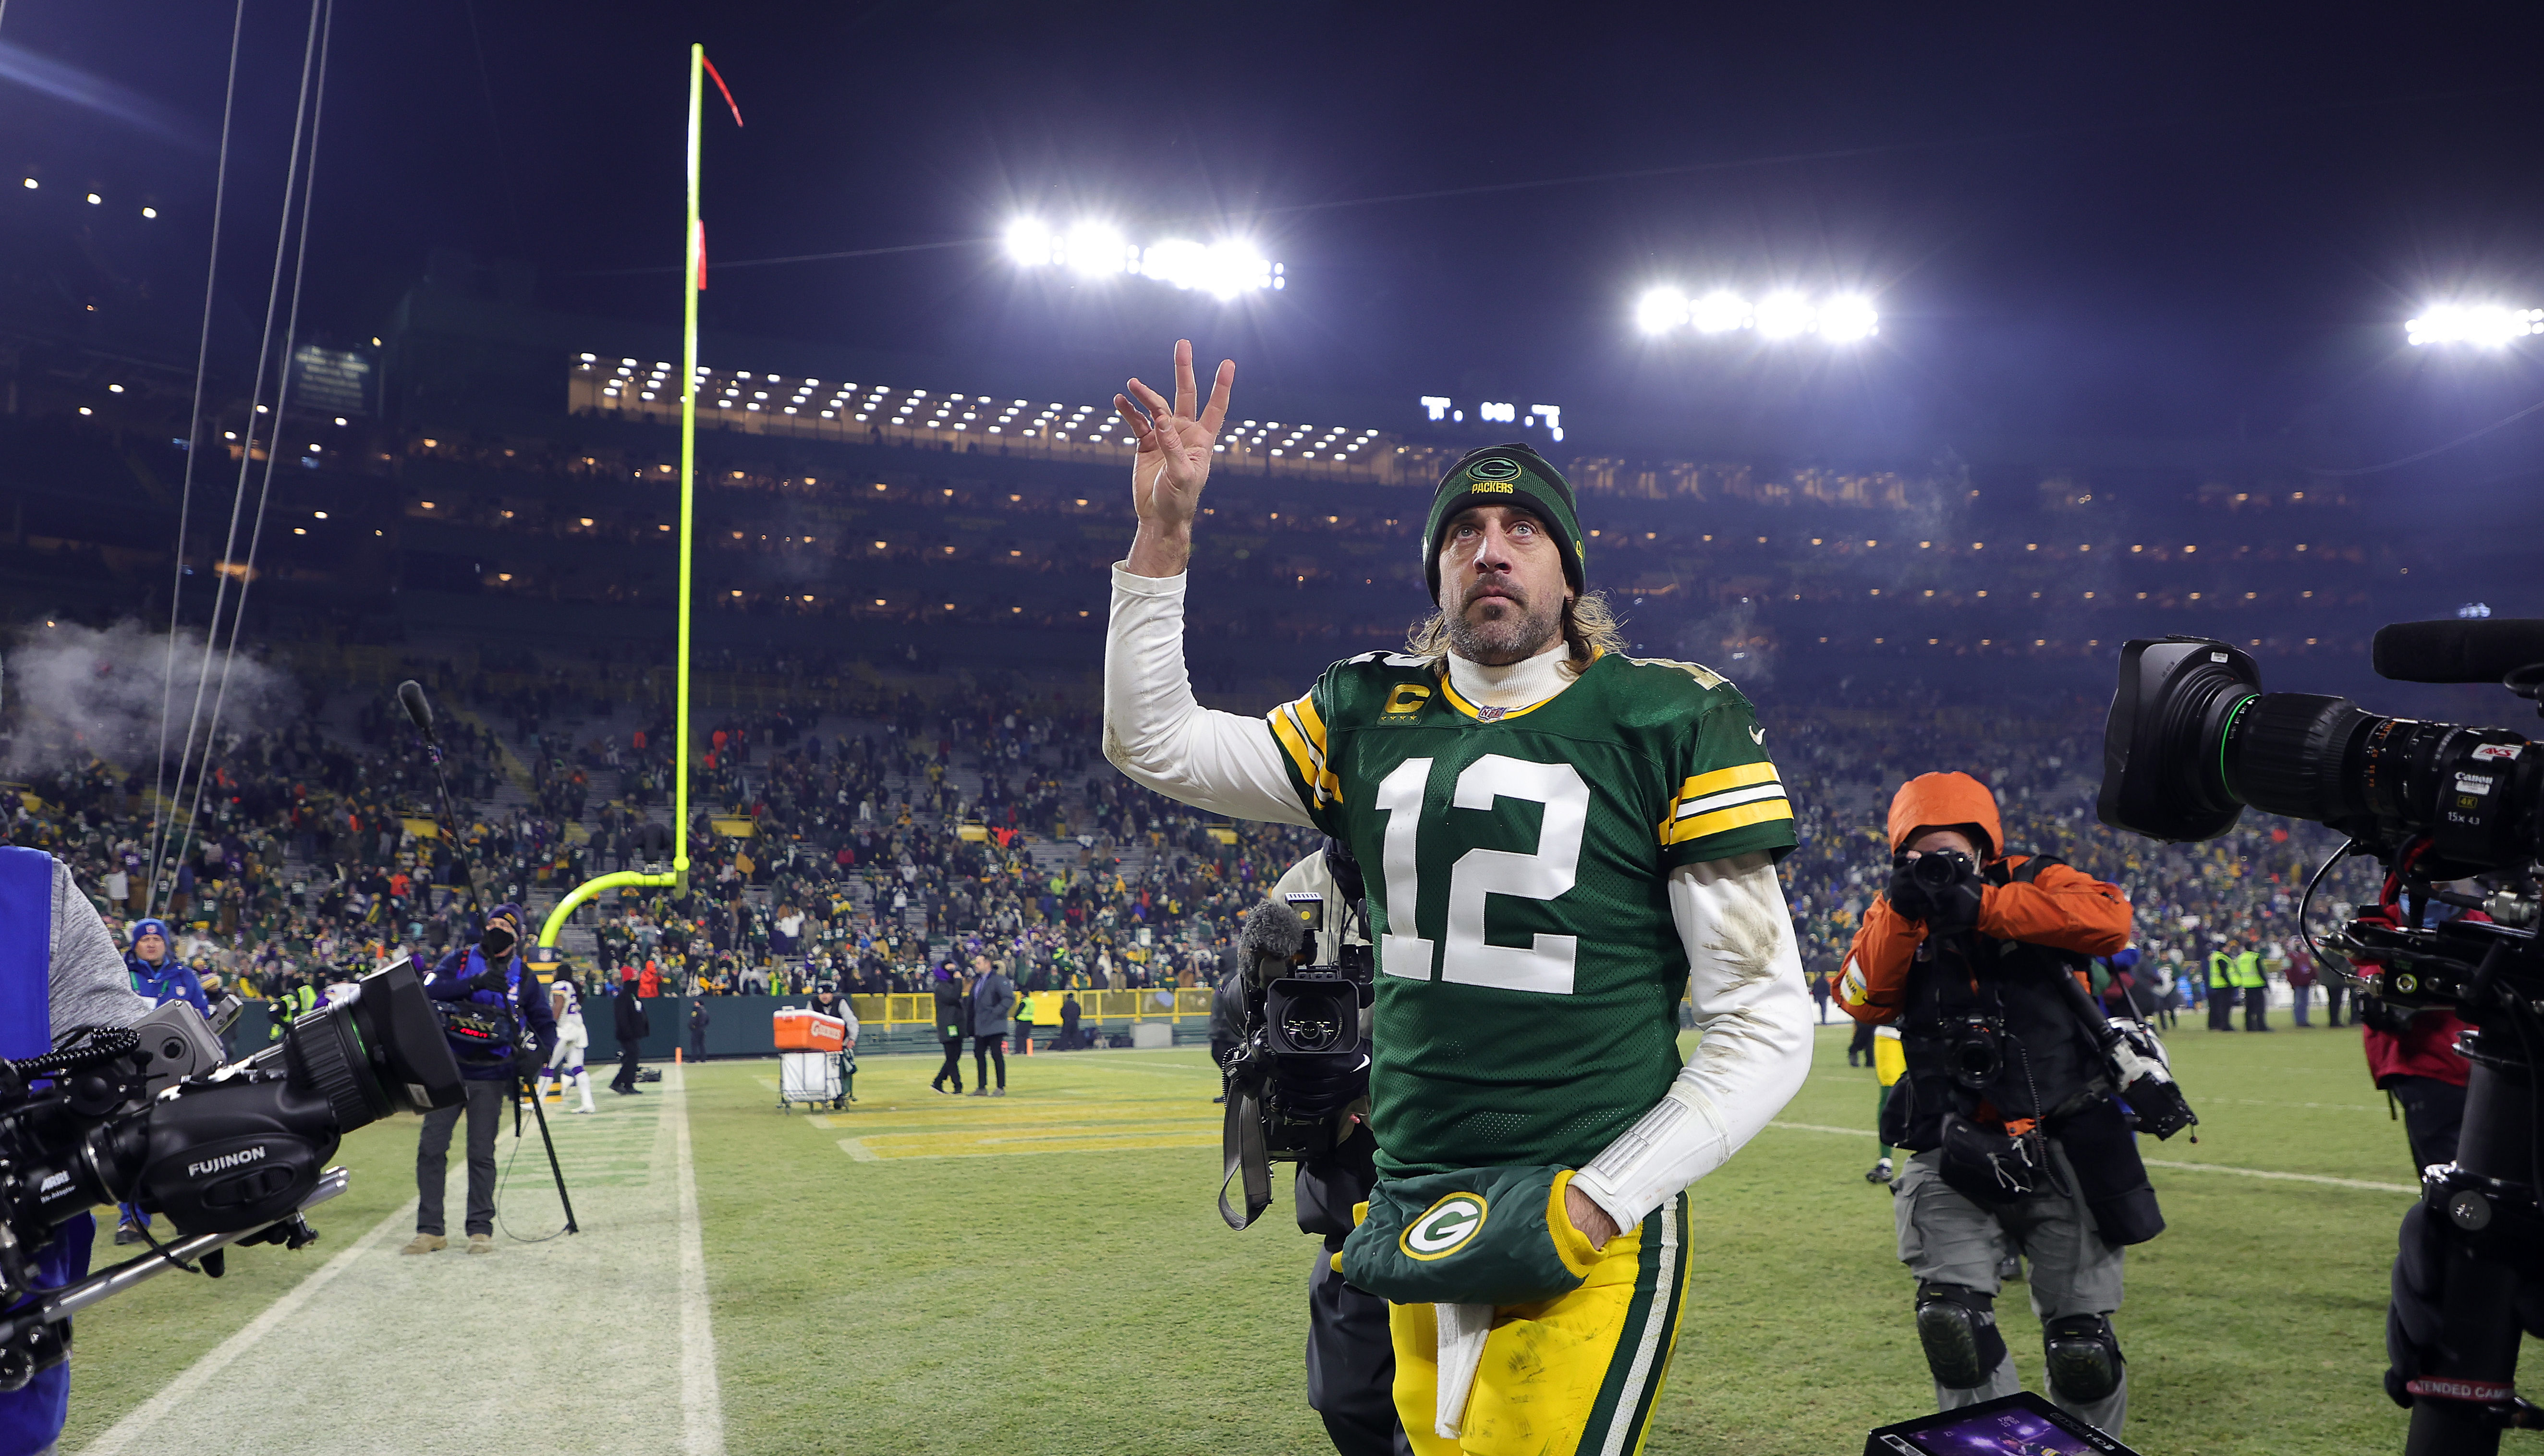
[862,850]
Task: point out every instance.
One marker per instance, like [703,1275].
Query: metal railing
[1155,1004]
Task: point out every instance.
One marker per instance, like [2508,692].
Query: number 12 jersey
[1529,969]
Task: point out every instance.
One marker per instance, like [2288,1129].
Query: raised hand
[1174,461]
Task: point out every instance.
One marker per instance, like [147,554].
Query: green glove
[1476,1236]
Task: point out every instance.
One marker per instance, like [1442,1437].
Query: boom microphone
[1271,935]
[417,710]
[2469,650]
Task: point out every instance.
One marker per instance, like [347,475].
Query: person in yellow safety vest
[2221,990]
[2256,991]
[1889,1064]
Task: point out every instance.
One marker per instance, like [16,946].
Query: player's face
[1501,584]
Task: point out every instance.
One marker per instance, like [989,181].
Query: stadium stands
[902,601]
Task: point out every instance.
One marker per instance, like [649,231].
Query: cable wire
[193,449]
[246,450]
[281,399]
[2463,439]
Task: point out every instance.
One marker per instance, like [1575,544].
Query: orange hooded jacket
[2062,906]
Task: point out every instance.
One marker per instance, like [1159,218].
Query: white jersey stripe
[1728,798]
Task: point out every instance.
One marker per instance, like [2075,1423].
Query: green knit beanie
[1505,475]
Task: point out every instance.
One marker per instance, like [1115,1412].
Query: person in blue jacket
[496,1017]
[158,977]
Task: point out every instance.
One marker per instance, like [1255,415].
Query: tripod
[540,1112]
[2486,1203]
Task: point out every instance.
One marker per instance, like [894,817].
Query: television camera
[233,1154]
[1303,1058]
[2456,815]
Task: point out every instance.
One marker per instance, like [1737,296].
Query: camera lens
[1310,1033]
[2193,740]
[1938,870]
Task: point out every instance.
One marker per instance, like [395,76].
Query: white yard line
[2324,1179]
[150,1412]
[702,1401]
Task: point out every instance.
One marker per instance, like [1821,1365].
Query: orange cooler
[809,1031]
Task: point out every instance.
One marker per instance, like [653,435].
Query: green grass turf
[1053,1276]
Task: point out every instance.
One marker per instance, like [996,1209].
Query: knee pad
[1957,1326]
[2084,1357]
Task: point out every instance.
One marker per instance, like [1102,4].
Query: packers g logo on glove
[1476,1236]
[1444,1228]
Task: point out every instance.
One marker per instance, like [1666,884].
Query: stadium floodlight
[1848,318]
[1660,310]
[1029,243]
[1093,249]
[2484,324]
[1221,269]
[1782,315]
[1719,312]
[1843,318]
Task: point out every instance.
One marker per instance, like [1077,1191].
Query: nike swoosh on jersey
[1757,735]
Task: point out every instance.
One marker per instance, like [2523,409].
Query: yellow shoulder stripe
[1291,726]
[1737,816]
[1738,776]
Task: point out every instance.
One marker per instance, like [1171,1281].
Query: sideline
[701,1396]
[2324,1179]
[150,1412]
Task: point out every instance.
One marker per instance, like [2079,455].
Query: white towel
[1460,1330]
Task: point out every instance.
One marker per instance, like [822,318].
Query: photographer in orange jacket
[1980,959]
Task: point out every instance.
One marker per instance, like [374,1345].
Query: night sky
[2211,225]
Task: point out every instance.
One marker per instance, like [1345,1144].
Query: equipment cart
[808,1058]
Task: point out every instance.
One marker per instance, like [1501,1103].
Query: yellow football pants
[1572,1376]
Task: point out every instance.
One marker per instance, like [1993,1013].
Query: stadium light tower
[1842,318]
[2487,324]
[1094,249]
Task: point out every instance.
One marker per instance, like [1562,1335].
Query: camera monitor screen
[2023,1424]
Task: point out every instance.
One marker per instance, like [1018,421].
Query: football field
[1046,1272]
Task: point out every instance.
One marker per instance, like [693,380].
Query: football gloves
[1478,1236]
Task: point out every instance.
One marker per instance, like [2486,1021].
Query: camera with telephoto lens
[1938,869]
[227,1154]
[2193,740]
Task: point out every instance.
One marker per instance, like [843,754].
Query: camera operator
[1351,1363]
[58,970]
[2412,1051]
[499,1024]
[2005,1104]
[1560,842]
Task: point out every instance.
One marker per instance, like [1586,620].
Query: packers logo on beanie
[1505,475]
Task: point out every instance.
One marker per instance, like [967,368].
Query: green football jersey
[1517,863]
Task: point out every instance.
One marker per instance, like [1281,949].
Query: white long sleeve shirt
[1730,914]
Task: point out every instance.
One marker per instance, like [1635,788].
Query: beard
[1508,629]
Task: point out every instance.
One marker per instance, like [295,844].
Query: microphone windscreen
[417,710]
[1272,932]
[2472,650]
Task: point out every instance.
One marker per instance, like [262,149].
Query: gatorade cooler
[809,1031]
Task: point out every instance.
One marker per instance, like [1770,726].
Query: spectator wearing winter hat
[158,975]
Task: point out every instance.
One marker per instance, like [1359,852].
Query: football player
[1561,843]
[565,1060]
